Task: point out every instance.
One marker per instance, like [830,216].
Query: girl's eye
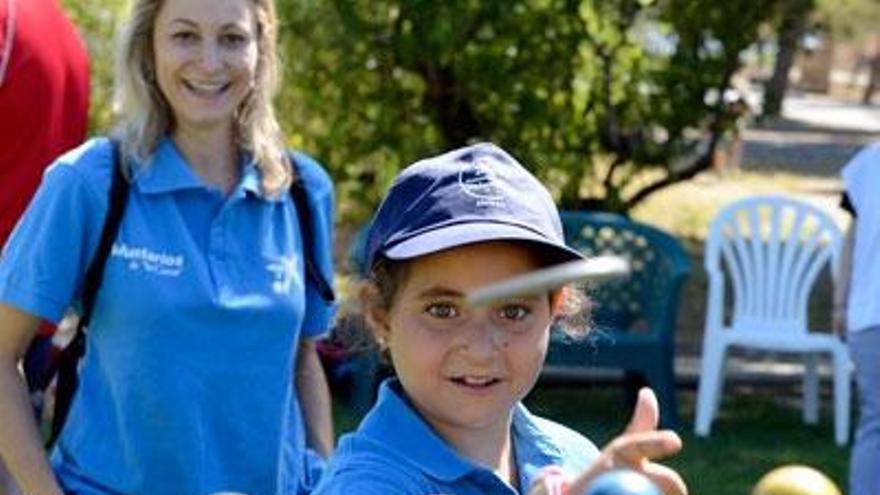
[442,310]
[515,312]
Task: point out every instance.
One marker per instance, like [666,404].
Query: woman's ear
[376,314]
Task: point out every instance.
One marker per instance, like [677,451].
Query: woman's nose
[210,58]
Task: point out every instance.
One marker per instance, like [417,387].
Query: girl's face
[464,368]
[205,58]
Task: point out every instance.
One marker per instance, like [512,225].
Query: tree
[609,100]
[792,26]
[856,21]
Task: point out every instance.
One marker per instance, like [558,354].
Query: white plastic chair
[770,251]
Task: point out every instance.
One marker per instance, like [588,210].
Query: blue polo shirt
[186,386]
[395,451]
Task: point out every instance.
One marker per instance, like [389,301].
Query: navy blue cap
[474,194]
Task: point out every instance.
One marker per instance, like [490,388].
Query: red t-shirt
[44,99]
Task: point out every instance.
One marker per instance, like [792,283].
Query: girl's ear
[558,301]
[376,314]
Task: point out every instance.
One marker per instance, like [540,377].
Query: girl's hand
[635,449]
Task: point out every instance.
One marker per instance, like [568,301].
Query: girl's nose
[484,340]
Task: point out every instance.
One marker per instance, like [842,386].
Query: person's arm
[841,287]
[20,442]
[314,398]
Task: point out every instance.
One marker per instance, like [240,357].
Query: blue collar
[167,171]
[395,423]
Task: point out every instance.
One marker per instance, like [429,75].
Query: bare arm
[841,287]
[20,444]
[314,397]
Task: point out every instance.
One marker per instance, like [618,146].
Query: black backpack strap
[303,211]
[68,361]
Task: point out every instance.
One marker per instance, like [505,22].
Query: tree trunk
[873,79]
[791,29]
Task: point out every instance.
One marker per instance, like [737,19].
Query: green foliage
[605,99]
[97,21]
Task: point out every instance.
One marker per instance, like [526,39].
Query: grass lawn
[753,434]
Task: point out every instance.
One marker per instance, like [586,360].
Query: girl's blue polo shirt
[395,452]
[186,386]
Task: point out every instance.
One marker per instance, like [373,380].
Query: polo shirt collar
[395,423]
[168,171]
[535,449]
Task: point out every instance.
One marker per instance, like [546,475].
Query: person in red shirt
[44,102]
[44,98]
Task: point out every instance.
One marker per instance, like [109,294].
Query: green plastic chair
[633,318]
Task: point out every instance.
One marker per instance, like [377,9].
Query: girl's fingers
[634,448]
[669,481]
[635,451]
[646,415]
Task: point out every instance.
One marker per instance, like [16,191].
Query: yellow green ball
[795,480]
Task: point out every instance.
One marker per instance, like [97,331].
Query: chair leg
[709,390]
[811,388]
[842,390]
[663,382]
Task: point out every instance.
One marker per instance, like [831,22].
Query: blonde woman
[199,373]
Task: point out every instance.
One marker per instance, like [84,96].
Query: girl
[452,421]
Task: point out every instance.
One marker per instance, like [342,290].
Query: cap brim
[457,235]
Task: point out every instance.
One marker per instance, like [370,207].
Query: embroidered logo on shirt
[145,259]
[283,271]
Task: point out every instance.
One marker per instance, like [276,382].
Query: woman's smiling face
[205,58]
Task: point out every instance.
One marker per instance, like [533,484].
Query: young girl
[452,421]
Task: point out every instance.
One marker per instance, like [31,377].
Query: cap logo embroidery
[477,180]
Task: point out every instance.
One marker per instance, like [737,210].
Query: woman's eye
[514,312]
[233,39]
[184,36]
[442,310]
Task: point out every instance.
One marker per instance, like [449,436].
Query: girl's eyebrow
[436,291]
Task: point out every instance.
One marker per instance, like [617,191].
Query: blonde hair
[144,115]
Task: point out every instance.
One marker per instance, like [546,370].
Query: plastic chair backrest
[658,265]
[772,249]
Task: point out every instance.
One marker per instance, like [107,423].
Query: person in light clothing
[857,310]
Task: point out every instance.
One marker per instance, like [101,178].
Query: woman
[203,310]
